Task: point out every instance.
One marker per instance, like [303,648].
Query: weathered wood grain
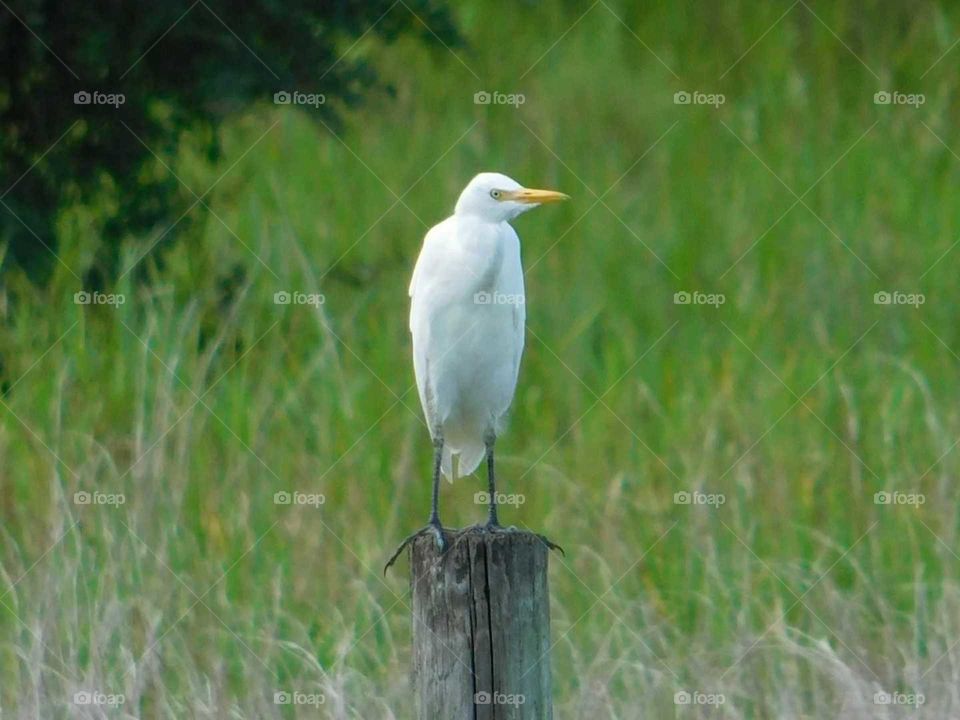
[481,627]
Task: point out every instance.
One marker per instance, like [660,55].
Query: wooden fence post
[481,627]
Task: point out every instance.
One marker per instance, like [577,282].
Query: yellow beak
[539,197]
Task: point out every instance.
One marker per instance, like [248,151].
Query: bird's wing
[519,328]
[429,253]
[429,263]
[513,281]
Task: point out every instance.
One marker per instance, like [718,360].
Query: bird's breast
[481,250]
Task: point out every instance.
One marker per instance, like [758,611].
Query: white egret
[467,320]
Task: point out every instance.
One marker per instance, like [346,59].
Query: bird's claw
[550,544]
[434,529]
[498,528]
[442,544]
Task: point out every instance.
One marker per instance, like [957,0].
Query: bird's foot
[433,528]
[495,527]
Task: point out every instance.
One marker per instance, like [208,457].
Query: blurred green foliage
[625,398]
[91,93]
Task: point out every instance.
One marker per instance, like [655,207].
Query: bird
[467,321]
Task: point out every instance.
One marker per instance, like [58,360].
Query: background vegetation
[199,397]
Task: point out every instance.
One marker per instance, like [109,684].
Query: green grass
[797,399]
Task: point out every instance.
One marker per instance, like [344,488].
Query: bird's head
[498,198]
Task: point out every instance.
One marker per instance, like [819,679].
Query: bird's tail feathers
[461,461]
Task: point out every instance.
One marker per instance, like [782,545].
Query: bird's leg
[433,525]
[492,521]
[435,499]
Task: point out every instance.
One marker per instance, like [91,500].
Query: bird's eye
[495,194]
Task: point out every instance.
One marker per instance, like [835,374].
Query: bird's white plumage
[467,319]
